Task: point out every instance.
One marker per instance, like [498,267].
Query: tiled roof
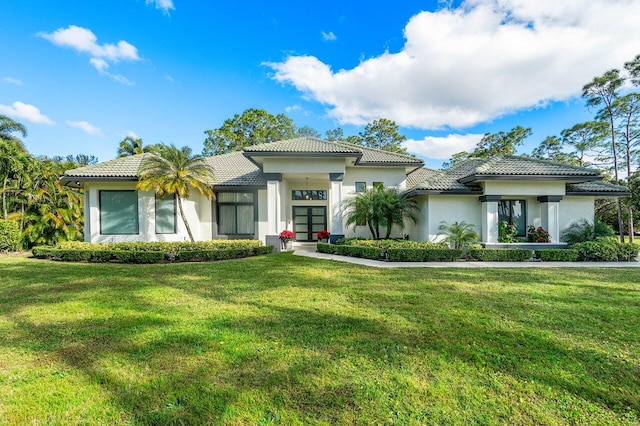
[302,145]
[120,168]
[524,166]
[596,187]
[308,145]
[235,169]
[420,175]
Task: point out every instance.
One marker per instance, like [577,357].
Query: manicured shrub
[72,255]
[423,255]
[102,256]
[501,255]
[263,250]
[43,252]
[326,248]
[557,255]
[357,251]
[627,252]
[125,256]
[9,235]
[597,251]
[208,255]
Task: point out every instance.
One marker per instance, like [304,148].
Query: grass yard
[291,340]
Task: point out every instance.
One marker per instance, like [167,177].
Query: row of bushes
[9,235]
[150,252]
[603,251]
[386,244]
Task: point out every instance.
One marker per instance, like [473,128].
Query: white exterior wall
[303,165]
[197,209]
[575,208]
[520,189]
[453,208]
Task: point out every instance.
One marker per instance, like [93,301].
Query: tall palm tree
[131,146]
[9,126]
[396,208]
[175,171]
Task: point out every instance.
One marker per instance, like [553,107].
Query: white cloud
[330,36]
[26,112]
[85,41]
[132,134]
[86,126]
[168,78]
[442,148]
[11,80]
[485,58]
[292,108]
[164,5]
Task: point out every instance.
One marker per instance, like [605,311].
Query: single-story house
[300,185]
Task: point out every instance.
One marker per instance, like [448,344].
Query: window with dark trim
[514,211]
[236,213]
[361,186]
[118,212]
[165,214]
[309,194]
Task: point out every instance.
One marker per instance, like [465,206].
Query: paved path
[309,250]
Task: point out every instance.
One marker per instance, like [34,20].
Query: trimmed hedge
[501,255]
[557,255]
[151,252]
[423,255]
[606,250]
[326,248]
[357,251]
[387,244]
[9,235]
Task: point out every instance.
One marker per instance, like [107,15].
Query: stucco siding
[303,165]
[452,208]
[521,188]
[576,208]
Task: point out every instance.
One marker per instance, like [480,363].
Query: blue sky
[83,75]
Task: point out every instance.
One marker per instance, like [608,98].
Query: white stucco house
[301,184]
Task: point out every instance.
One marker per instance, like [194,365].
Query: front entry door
[308,221]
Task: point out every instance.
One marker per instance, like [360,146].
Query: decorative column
[273,207]
[336,206]
[490,218]
[550,212]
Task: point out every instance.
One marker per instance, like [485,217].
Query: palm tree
[458,234]
[174,171]
[131,146]
[380,207]
[9,126]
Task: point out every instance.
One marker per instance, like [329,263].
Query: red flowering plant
[323,235]
[537,235]
[286,236]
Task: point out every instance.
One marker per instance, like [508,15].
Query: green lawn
[283,340]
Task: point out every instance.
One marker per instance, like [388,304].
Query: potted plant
[323,236]
[286,238]
[538,235]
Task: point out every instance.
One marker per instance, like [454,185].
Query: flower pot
[323,240]
[287,245]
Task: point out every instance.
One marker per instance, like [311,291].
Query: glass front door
[308,221]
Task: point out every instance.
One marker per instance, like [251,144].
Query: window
[514,211]
[308,194]
[118,212]
[361,186]
[236,213]
[166,215]
[378,184]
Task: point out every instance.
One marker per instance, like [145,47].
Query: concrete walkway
[309,250]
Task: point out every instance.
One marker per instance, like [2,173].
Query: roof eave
[416,192]
[600,194]
[483,177]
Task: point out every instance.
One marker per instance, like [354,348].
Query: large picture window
[119,212]
[309,194]
[236,213]
[514,211]
[166,215]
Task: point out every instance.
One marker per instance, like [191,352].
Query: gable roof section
[597,188]
[236,170]
[123,168]
[315,147]
[524,168]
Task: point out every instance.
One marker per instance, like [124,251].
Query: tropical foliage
[582,230]
[175,171]
[380,208]
[458,234]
